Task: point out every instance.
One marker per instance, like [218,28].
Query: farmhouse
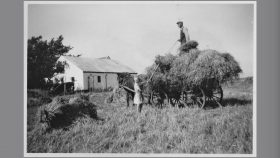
[91,74]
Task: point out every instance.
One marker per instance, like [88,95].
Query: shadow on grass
[236,101]
[228,102]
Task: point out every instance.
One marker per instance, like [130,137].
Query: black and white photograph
[140,78]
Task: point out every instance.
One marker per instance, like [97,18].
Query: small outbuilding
[92,74]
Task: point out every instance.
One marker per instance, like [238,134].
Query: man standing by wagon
[138,97]
[184,34]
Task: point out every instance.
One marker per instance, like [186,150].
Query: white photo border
[254,152]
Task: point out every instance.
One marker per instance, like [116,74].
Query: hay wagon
[210,93]
[191,79]
[195,78]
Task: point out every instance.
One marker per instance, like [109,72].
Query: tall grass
[169,130]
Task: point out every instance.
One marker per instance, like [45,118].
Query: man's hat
[179,21]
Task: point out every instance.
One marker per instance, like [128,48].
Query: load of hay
[191,67]
[198,67]
[186,47]
[63,111]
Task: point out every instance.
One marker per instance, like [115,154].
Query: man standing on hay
[184,34]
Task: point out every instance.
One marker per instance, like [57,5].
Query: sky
[134,34]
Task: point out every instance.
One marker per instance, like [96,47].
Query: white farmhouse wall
[73,71]
[108,80]
[112,80]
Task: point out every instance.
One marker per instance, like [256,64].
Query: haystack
[186,47]
[109,98]
[119,96]
[63,111]
[198,67]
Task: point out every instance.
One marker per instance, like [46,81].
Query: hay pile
[198,67]
[185,48]
[99,98]
[63,111]
[164,62]
[119,96]
[109,98]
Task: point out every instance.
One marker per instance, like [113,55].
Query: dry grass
[196,67]
[168,130]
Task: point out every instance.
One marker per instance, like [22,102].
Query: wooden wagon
[208,93]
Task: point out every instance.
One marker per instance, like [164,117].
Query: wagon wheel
[199,97]
[156,99]
[215,96]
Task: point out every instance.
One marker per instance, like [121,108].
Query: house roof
[99,65]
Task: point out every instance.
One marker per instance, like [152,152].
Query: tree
[42,59]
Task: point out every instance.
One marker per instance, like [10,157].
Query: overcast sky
[135,33]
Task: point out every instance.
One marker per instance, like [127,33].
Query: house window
[98,79]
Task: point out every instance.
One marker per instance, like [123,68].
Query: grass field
[169,130]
